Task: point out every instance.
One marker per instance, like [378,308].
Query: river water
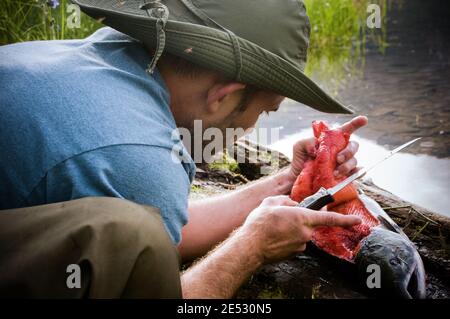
[405,92]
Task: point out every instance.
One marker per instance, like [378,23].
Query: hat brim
[213,49]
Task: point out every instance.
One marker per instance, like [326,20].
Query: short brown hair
[191,70]
[184,67]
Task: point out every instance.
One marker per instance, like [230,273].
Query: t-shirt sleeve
[139,173]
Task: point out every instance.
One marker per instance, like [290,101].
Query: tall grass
[28,20]
[339,35]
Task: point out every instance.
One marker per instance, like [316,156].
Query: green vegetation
[195,188]
[226,163]
[270,293]
[28,20]
[339,34]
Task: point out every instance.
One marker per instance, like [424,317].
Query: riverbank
[314,274]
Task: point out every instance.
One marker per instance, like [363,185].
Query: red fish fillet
[337,241]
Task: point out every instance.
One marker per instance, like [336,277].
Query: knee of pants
[128,242]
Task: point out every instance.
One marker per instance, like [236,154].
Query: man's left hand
[305,150]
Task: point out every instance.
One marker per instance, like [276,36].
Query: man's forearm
[224,270]
[212,220]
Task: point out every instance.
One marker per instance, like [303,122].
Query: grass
[339,34]
[195,188]
[29,20]
[226,163]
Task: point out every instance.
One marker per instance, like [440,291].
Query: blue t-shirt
[82,118]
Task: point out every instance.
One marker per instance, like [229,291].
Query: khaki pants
[121,250]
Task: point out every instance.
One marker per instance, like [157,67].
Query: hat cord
[237,54]
[155,9]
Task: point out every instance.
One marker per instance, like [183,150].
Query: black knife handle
[317,200]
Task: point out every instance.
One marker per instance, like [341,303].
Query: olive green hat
[258,42]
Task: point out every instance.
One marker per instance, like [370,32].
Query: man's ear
[219,91]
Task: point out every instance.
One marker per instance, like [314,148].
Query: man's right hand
[278,229]
[275,230]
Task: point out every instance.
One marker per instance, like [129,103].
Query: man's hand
[279,229]
[273,231]
[305,149]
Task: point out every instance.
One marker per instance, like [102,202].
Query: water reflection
[421,179]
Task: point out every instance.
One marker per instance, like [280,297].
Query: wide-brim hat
[263,43]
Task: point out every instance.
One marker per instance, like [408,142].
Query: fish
[378,240]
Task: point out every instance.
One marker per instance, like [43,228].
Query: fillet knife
[324,196]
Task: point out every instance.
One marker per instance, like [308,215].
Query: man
[94,201]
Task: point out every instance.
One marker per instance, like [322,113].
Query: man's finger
[346,168]
[348,152]
[280,200]
[289,202]
[356,169]
[354,124]
[307,146]
[317,219]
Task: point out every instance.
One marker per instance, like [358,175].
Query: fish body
[377,240]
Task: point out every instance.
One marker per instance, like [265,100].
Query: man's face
[239,113]
[260,102]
